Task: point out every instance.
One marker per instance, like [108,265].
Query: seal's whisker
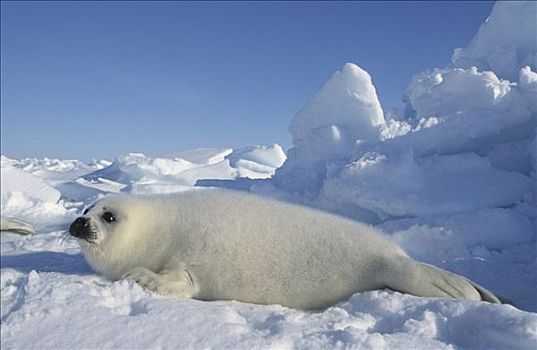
[61,238]
[64,237]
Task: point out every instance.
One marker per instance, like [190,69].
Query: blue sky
[99,79]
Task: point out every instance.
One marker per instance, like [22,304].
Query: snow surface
[452,178]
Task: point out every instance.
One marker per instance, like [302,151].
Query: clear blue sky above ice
[98,79]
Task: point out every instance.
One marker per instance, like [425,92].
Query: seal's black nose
[80,227]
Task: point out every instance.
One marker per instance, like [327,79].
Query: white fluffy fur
[215,244]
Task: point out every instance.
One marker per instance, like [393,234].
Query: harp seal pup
[226,245]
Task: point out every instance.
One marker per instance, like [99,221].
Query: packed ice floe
[451,177]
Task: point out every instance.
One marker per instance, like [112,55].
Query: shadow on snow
[69,264]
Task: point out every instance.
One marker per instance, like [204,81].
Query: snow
[451,177]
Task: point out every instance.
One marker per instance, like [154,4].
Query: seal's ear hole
[108,217]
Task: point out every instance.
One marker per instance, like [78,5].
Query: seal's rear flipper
[428,281]
[16,226]
[487,295]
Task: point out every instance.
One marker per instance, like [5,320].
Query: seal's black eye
[108,217]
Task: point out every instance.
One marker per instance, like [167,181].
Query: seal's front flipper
[177,283]
[428,281]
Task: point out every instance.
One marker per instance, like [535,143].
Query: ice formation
[505,42]
[348,101]
[346,110]
[463,141]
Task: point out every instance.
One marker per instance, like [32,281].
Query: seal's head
[115,232]
[96,223]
